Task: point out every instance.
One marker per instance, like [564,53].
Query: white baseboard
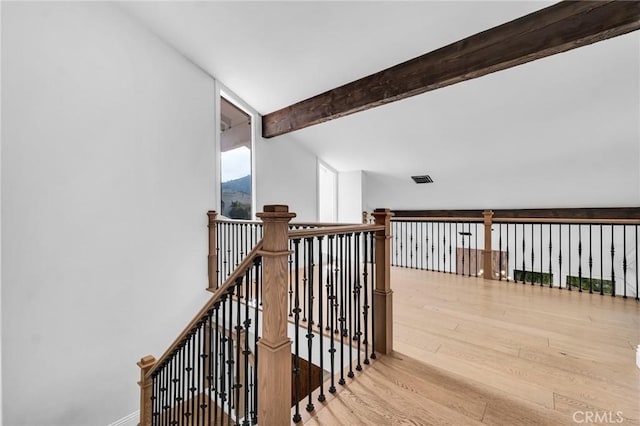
[131,420]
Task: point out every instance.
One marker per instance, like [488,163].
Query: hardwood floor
[469,351]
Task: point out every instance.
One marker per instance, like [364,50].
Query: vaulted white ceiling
[568,123]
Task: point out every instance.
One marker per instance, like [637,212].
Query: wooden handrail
[229,282]
[257,222]
[334,230]
[569,221]
[437,219]
[521,220]
[601,213]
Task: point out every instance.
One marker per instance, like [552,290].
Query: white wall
[350,193]
[107,172]
[286,174]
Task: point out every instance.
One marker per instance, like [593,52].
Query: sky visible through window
[236,163]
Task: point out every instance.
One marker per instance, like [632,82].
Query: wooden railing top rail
[258,222]
[569,221]
[334,230]
[229,282]
[526,220]
[437,219]
[603,213]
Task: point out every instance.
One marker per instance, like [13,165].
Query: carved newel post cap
[146,361]
[276,208]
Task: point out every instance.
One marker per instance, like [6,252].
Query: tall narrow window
[235,162]
[327,194]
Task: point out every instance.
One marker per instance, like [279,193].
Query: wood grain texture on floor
[472,351]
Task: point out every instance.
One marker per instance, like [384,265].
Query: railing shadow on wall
[591,250]
[322,288]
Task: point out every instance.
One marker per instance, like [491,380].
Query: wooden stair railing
[150,405]
[203,375]
[578,249]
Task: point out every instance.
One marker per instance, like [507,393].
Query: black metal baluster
[590,263]
[296,314]
[373,301]
[211,361]
[254,417]
[290,261]
[163,401]
[357,297]
[475,230]
[469,250]
[636,251]
[216,349]
[560,256]
[450,255]
[580,258]
[174,396]
[238,342]
[305,281]
[247,351]
[365,307]
[524,275]
[427,245]
[541,267]
[343,315]
[230,358]
[198,373]
[223,361]
[569,282]
[332,302]
[550,253]
[410,244]
[515,251]
[506,268]
[462,260]
[624,260]
[601,263]
[437,239]
[154,399]
[310,334]
[463,247]
[192,379]
[350,294]
[433,238]
[419,240]
[444,246]
[532,256]
[395,238]
[613,272]
[321,396]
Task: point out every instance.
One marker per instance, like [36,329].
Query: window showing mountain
[242,184]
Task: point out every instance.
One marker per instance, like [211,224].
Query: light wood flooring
[469,351]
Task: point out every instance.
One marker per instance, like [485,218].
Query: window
[327,194]
[236,189]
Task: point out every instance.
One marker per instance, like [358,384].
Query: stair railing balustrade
[233,363]
[584,250]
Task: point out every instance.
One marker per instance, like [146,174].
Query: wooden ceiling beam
[558,28]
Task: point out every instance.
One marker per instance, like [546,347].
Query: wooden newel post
[213,253]
[487,261]
[383,295]
[145,364]
[274,347]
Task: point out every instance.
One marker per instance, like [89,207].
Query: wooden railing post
[145,364]
[213,254]
[274,347]
[383,295]
[487,261]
